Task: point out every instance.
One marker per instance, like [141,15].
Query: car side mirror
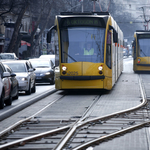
[13,75]
[53,67]
[30,70]
[5,74]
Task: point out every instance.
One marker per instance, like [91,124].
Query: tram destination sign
[81,22]
[144,36]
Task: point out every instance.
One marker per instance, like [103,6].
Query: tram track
[76,133]
[98,130]
[33,130]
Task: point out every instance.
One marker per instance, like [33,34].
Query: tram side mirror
[49,33]
[133,44]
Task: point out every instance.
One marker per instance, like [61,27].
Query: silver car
[24,74]
[5,87]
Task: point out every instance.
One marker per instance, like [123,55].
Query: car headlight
[47,73]
[24,79]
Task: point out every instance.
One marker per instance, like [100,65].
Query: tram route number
[71,73]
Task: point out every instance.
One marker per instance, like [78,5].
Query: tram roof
[84,13]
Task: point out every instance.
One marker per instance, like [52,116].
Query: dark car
[15,84]
[44,70]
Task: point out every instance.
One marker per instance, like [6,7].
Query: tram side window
[108,50]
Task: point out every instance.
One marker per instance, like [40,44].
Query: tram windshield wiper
[70,56]
[142,52]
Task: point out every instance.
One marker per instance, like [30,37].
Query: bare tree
[45,10]
[22,10]
[16,8]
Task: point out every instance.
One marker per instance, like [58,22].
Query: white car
[49,57]
[5,87]
[24,74]
[8,56]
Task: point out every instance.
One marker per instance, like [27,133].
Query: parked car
[44,70]
[24,74]
[8,56]
[5,87]
[15,84]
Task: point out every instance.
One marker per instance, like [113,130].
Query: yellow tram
[141,51]
[89,47]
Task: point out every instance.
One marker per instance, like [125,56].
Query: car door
[13,80]
[6,81]
[31,74]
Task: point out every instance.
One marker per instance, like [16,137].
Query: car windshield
[6,56]
[40,63]
[17,67]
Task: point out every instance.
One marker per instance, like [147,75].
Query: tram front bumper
[82,84]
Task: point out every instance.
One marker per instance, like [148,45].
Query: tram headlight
[100,68]
[64,68]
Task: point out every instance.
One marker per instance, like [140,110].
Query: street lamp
[37,49]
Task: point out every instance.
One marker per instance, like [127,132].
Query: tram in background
[141,51]
[79,68]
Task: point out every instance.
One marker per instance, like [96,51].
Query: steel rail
[144,102]
[37,136]
[71,129]
[112,135]
[27,119]
[99,140]
[80,124]
[66,137]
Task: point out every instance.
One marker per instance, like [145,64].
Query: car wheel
[2,101]
[8,101]
[34,88]
[52,81]
[28,92]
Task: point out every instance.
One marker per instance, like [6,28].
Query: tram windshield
[82,44]
[144,47]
